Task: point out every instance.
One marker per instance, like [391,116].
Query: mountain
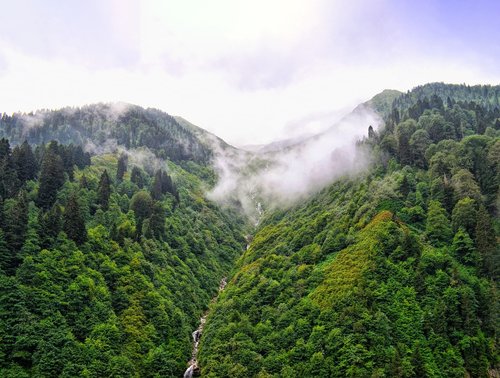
[108,125]
[380,104]
[370,251]
[109,258]
[392,272]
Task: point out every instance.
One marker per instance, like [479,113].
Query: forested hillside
[101,126]
[390,274]
[110,250]
[106,264]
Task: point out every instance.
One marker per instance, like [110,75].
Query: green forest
[390,274]
[108,260]
[105,268]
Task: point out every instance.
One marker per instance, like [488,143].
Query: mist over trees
[391,273]
[97,278]
[111,250]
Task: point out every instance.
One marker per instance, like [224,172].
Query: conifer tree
[9,182]
[31,245]
[122,167]
[25,162]
[157,187]
[83,182]
[73,222]
[157,221]
[50,225]
[463,246]
[464,215]
[5,254]
[136,177]
[486,243]
[16,222]
[51,177]
[104,190]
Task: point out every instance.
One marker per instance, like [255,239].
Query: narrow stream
[193,368]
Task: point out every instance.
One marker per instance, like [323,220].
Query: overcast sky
[249,71]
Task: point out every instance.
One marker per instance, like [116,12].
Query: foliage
[96,277]
[371,277]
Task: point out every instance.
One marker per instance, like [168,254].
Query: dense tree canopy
[96,277]
[107,263]
[391,274]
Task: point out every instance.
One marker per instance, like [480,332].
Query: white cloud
[243,70]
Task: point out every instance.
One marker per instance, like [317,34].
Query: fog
[278,179]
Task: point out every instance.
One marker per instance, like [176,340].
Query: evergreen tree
[464,185]
[464,215]
[404,131]
[50,225]
[25,162]
[6,257]
[66,154]
[83,182]
[486,243]
[157,221]
[405,187]
[157,187]
[104,190]
[136,177]
[163,184]
[16,223]
[463,246]
[9,181]
[73,222]
[51,177]
[371,133]
[31,245]
[4,148]
[122,167]
[436,102]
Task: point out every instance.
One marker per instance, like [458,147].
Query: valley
[373,248]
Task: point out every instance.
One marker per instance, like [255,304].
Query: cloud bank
[280,178]
[246,71]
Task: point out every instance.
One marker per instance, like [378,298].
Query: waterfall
[193,368]
[189,372]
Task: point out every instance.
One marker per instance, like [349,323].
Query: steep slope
[392,273]
[106,264]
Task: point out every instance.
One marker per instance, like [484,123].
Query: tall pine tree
[16,223]
[51,177]
[104,190]
[122,167]
[73,222]
[25,162]
[486,244]
[136,177]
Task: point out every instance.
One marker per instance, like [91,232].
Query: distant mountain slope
[99,125]
[382,102]
[487,96]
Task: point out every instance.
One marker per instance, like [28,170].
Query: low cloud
[279,179]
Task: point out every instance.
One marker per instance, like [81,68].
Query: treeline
[486,96]
[130,126]
[105,269]
[390,274]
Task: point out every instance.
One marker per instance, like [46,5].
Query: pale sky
[249,71]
